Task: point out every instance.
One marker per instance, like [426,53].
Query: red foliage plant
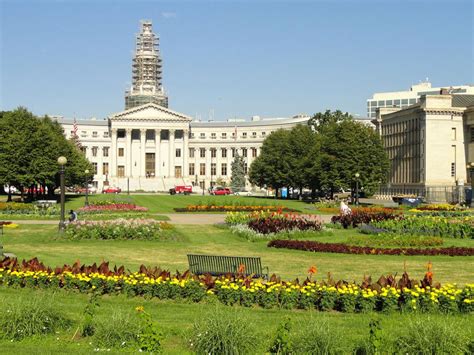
[366,215]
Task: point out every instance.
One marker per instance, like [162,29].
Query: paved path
[175,218]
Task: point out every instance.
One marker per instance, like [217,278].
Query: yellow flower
[140,309]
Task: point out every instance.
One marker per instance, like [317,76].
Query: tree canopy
[29,149]
[324,155]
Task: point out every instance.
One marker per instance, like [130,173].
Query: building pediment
[150,112]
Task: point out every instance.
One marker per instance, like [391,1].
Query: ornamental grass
[385,295]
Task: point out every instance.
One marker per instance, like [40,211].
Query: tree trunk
[9,199]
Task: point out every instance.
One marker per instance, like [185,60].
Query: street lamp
[62,161]
[86,203]
[357,188]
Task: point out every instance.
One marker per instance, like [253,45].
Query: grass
[43,241]
[176,320]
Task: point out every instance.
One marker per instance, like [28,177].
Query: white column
[172,153]
[185,153]
[113,154]
[142,152]
[128,152]
[157,152]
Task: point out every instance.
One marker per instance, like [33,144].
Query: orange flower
[241,268]
[312,270]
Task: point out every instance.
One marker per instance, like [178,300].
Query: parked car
[243,193]
[82,190]
[111,190]
[181,189]
[219,190]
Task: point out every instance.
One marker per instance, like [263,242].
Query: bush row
[387,294]
[363,215]
[313,246]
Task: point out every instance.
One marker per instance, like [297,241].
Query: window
[264,134]
[224,136]
[191,169]
[202,135]
[396,102]
[233,135]
[83,134]
[453,169]
[244,152]
[224,152]
[94,134]
[254,152]
[244,135]
[213,169]
[178,153]
[150,164]
[472,133]
[192,135]
[94,151]
[213,152]
[105,151]
[381,103]
[106,134]
[178,171]
[202,169]
[120,170]
[120,133]
[453,133]
[120,152]
[94,168]
[150,135]
[224,169]
[245,168]
[202,152]
[105,168]
[389,103]
[191,152]
[404,101]
[233,152]
[213,136]
[84,149]
[412,101]
[179,134]
[254,134]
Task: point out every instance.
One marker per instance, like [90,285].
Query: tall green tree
[29,148]
[272,167]
[237,179]
[322,120]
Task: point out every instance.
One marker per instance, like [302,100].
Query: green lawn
[42,241]
[167,203]
[176,319]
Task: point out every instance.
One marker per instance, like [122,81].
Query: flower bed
[387,294]
[439,207]
[363,215]
[8,224]
[232,208]
[117,229]
[112,207]
[19,208]
[449,227]
[313,246]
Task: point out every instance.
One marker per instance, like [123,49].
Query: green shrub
[120,330]
[31,316]
[282,343]
[224,332]
[318,338]
[394,240]
[427,335]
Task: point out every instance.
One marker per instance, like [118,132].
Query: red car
[221,191]
[111,190]
[181,189]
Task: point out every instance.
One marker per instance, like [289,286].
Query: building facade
[150,147]
[404,99]
[430,144]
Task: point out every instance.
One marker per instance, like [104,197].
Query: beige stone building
[430,145]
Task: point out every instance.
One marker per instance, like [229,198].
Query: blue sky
[267,58]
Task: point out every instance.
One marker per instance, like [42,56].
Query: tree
[29,148]
[349,147]
[272,167]
[237,180]
[322,120]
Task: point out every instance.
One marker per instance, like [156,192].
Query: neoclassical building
[153,148]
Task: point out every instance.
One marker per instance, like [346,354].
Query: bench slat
[221,265]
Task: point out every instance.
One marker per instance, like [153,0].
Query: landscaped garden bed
[28,209]
[101,206]
[233,208]
[385,295]
[119,229]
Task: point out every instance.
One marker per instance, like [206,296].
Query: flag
[235,132]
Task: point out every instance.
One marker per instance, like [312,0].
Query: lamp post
[86,203]
[357,188]
[471,170]
[62,161]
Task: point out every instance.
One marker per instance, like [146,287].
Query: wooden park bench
[217,265]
